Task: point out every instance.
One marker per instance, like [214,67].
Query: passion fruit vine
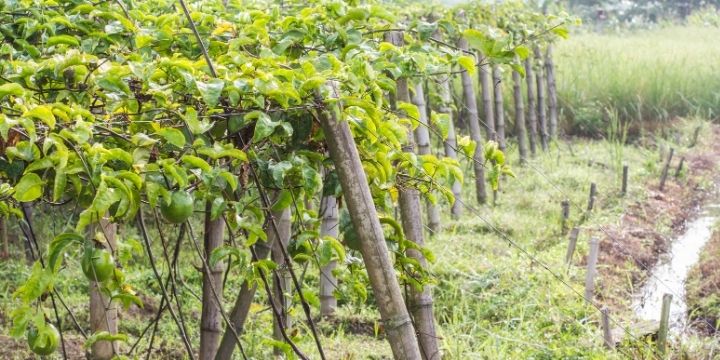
[179,208]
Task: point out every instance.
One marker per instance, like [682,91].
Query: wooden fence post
[571,245]
[680,167]
[664,323]
[607,333]
[565,204]
[666,169]
[623,190]
[695,136]
[591,199]
[591,269]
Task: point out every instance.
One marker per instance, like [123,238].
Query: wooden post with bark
[623,189]
[591,197]
[552,93]
[591,269]
[381,272]
[572,243]
[211,319]
[519,116]
[542,114]
[328,282]
[4,237]
[666,169]
[499,107]
[486,91]
[103,312]
[531,106]
[607,332]
[422,137]
[474,123]
[282,283]
[450,144]
[565,216]
[664,323]
[419,301]
[679,169]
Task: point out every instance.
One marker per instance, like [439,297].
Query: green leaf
[211,90]
[104,336]
[173,136]
[223,252]
[522,51]
[196,162]
[57,246]
[561,32]
[468,63]
[42,113]
[11,89]
[264,125]
[284,200]
[475,38]
[29,188]
[127,299]
[63,40]
[410,110]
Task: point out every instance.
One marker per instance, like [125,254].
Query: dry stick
[485,77]
[591,269]
[281,282]
[474,123]
[680,167]
[143,232]
[422,137]
[344,153]
[552,93]
[565,205]
[419,300]
[519,116]
[499,107]
[328,282]
[532,107]
[623,190]
[572,243]
[666,168]
[450,142]
[607,333]
[664,323]
[540,86]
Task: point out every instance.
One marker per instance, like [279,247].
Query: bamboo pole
[532,106]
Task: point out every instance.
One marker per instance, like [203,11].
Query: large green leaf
[29,188]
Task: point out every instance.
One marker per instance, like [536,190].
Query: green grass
[648,75]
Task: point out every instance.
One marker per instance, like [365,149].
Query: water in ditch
[671,271]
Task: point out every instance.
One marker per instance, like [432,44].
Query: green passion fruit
[43,342]
[98,265]
[179,208]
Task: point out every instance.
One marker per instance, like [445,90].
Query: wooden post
[664,323]
[623,190]
[499,107]
[591,269]
[519,115]
[680,167]
[282,283]
[591,199]
[328,282]
[552,93]
[695,136]
[565,204]
[381,272]
[211,319]
[531,106]
[422,138]
[607,333]
[103,312]
[451,144]
[665,170]
[4,237]
[571,245]
[485,78]
[542,114]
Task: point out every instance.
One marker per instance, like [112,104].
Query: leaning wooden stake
[381,272]
[542,114]
[552,94]
[695,136]
[328,282]
[471,105]
[450,144]
[422,137]
[666,169]
[664,323]
[565,205]
[282,283]
[623,190]
[519,116]
[531,106]
[591,269]
[607,333]
[419,300]
[103,312]
[486,89]
[571,245]
[680,167]
[211,319]
[499,107]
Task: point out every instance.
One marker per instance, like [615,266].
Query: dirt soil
[629,249]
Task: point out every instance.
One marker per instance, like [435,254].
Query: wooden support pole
[664,323]
[695,136]
[607,333]
[591,269]
[565,204]
[623,190]
[680,167]
[571,245]
[666,168]
[591,199]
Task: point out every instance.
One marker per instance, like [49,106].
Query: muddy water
[672,269]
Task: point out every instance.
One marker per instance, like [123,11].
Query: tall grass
[647,77]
